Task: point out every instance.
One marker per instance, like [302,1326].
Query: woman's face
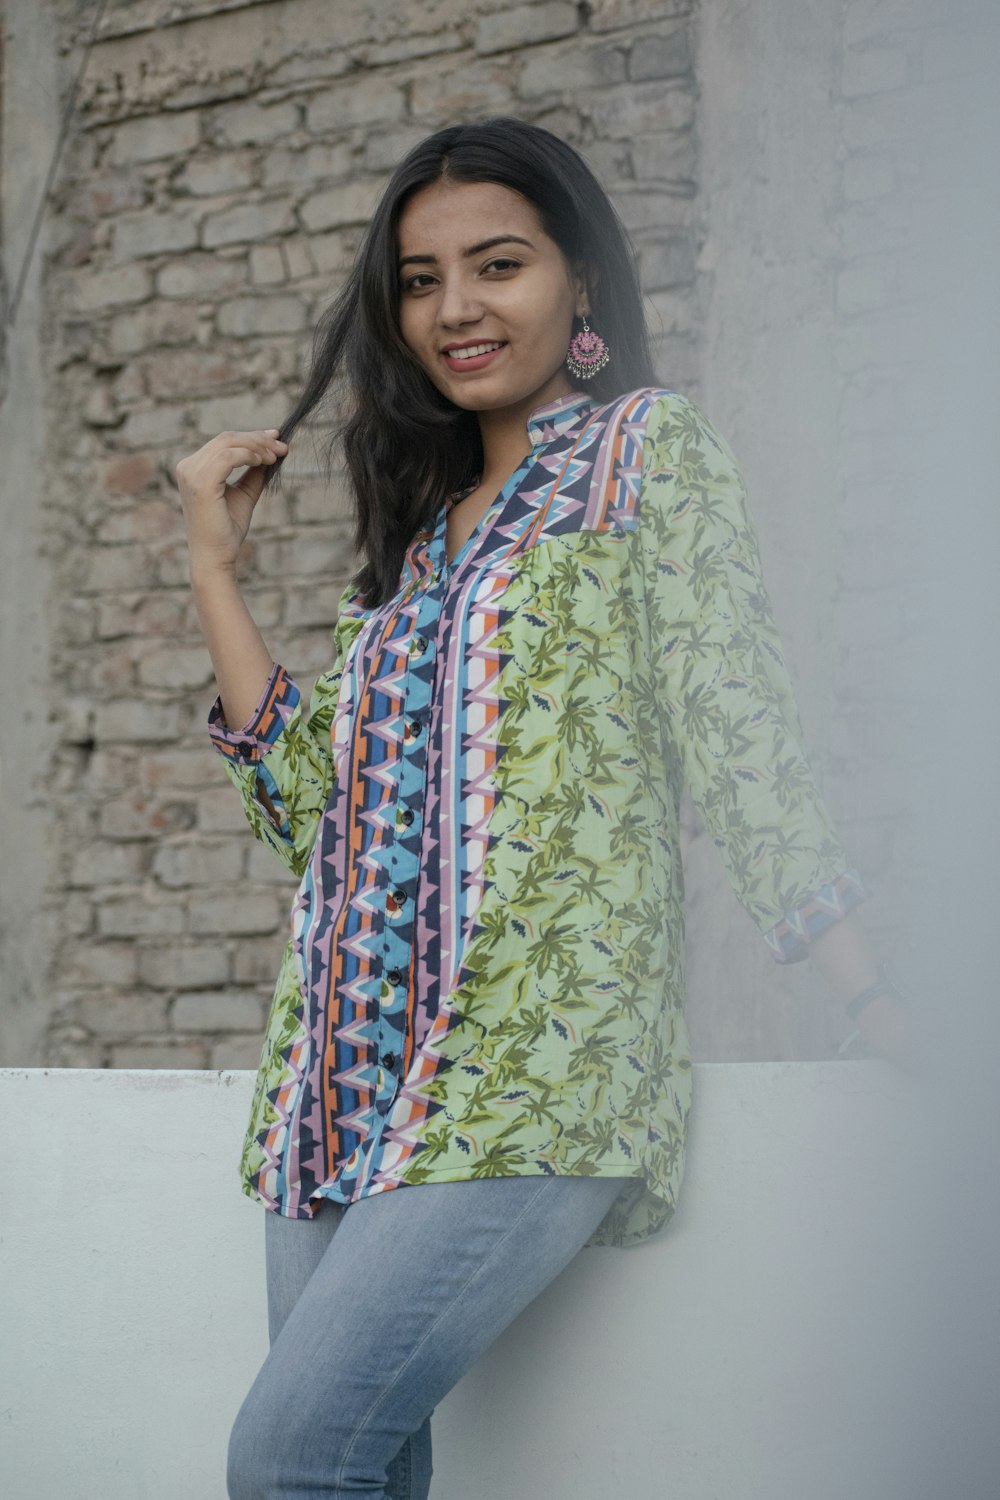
[477,268]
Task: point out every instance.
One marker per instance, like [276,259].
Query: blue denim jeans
[376,1309]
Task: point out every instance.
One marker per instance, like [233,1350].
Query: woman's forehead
[456,215]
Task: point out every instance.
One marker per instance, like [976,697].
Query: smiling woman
[560,620]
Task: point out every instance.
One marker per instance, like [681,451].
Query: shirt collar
[556,417]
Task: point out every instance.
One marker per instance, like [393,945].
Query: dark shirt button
[388,1059]
[399,896]
[408,816]
[420,643]
[245,747]
[414,726]
[394,976]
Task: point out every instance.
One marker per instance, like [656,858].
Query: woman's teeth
[471,353]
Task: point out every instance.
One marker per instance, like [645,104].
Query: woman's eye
[410,284]
[503,262]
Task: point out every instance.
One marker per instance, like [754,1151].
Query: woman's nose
[458,304]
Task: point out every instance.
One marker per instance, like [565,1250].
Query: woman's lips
[471,362]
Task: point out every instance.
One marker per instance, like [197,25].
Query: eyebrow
[498,239]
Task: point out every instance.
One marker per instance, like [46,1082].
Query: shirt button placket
[400,925]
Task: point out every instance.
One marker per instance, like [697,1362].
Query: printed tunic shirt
[484,972]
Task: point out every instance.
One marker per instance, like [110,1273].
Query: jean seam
[395,1379]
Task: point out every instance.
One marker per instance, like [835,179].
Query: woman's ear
[584,281]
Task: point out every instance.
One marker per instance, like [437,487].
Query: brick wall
[221,168]
[213,189]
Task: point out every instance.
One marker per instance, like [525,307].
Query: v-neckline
[489,515]
[543,424]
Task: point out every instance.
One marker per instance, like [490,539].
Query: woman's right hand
[217,515]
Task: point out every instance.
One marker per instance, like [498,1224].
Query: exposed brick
[137,815]
[220,809]
[123,1015]
[177,667]
[267,265]
[334,253]
[255,960]
[105,963]
[129,475]
[96,197]
[210,176]
[611,15]
[252,123]
[384,149]
[223,914]
[663,54]
[520,25]
[403,48]
[201,276]
[237,414]
[350,203]
[583,68]
[107,864]
[248,317]
[151,521]
[116,568]
[447,92]
[160,323]
[112,672]
[133,916]
[156,427]
[247,223]
[261,866]
[641,108]
[310,551]
[93,290]
[73,1052]
[138,235]
[198,863]
[168,372]
[155,137]
[217,1010]
[367,101]
[151,614]
[179,966]
[308,166]
[189,767]
[159,1054]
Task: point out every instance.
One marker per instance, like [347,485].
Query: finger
[237,455]
[251,483]
[253,438]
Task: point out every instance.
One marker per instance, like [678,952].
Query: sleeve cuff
[789,938]
[248,745]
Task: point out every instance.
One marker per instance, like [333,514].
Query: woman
[559,618]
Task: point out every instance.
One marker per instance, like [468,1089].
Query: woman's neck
[505,430]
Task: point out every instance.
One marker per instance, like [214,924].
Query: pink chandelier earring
[588,353]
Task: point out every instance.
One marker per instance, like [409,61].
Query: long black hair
[406,446]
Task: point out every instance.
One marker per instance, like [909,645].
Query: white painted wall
[760,1347]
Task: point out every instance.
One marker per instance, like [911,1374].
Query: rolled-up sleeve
[281,760]
[724,689]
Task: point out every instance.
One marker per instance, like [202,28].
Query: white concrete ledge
[751,1350]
